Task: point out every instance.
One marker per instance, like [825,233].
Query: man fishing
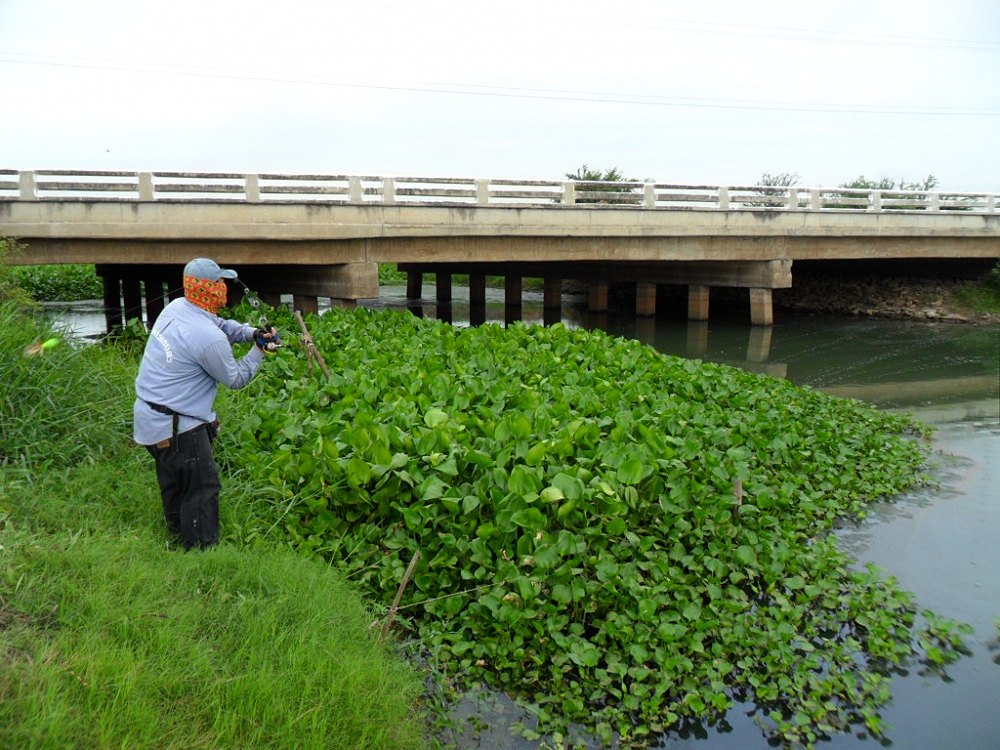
[189,352]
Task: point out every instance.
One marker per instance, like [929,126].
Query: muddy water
[941,543]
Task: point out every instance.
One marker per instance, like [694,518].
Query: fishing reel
[265,335]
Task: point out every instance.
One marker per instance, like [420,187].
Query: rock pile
[880,297]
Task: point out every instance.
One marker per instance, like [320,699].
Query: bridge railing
[89,185]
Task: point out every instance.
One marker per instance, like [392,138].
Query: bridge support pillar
[512,288]
[597,296]
[443,287]
[645,299]
[305,303]
[477,299]
[761,308]
[552,305]
[477,289]
[414,285]
[698,302]
[553,293]
[112,301]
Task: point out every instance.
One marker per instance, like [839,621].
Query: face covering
[208,295]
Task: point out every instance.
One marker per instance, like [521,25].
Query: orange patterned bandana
[208,295]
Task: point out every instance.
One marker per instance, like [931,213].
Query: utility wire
[626,17]
[513,92]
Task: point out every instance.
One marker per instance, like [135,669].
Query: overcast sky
[683,92]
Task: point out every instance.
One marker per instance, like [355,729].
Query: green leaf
[535,455]
[562,593]
[470,503]
[631,471]
[552,494]
[431,489]
[530,518]
[359,472]
[435,418]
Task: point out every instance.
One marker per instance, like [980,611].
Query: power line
[625,17]
[555,95]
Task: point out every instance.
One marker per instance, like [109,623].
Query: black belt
[176,418]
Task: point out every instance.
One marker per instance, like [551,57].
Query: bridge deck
[329,233]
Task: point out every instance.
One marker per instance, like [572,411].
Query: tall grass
[61,406]
[110,637]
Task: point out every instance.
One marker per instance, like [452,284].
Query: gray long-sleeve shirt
[189,352]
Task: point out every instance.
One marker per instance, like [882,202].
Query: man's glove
[267,339]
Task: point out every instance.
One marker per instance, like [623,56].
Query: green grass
[66,283]
[111,637]
[121,642]
[982,296]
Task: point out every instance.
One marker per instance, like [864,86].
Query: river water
[942,543]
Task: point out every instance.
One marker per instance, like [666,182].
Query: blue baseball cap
[206,268]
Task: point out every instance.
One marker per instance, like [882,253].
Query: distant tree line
[771,187]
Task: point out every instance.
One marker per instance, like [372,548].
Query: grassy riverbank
[110,637]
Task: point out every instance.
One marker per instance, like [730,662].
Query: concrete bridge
[319,236]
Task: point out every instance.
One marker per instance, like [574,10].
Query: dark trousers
[189,486]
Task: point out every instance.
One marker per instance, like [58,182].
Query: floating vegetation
[619,539]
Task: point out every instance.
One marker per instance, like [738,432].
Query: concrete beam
[349,281]
[227,253]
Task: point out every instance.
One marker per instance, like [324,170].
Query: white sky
[686,92]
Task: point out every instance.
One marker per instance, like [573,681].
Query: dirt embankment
[881,297]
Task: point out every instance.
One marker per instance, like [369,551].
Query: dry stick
[311,350]
[399,595]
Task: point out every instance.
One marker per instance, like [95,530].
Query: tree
[779,179]
[773,189]
[888,185]
[586,174]
[863,183]
[626,195]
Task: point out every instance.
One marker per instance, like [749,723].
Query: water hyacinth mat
[619,539]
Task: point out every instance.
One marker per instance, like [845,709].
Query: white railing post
[145,180]
[793,198]
[356,193]
[814,200]
[388,191]
[649,195]
[569,193]
[723,198]
[875,204]
[934,201]
[991,204]
[251,188]
[26,186]
[482,192]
